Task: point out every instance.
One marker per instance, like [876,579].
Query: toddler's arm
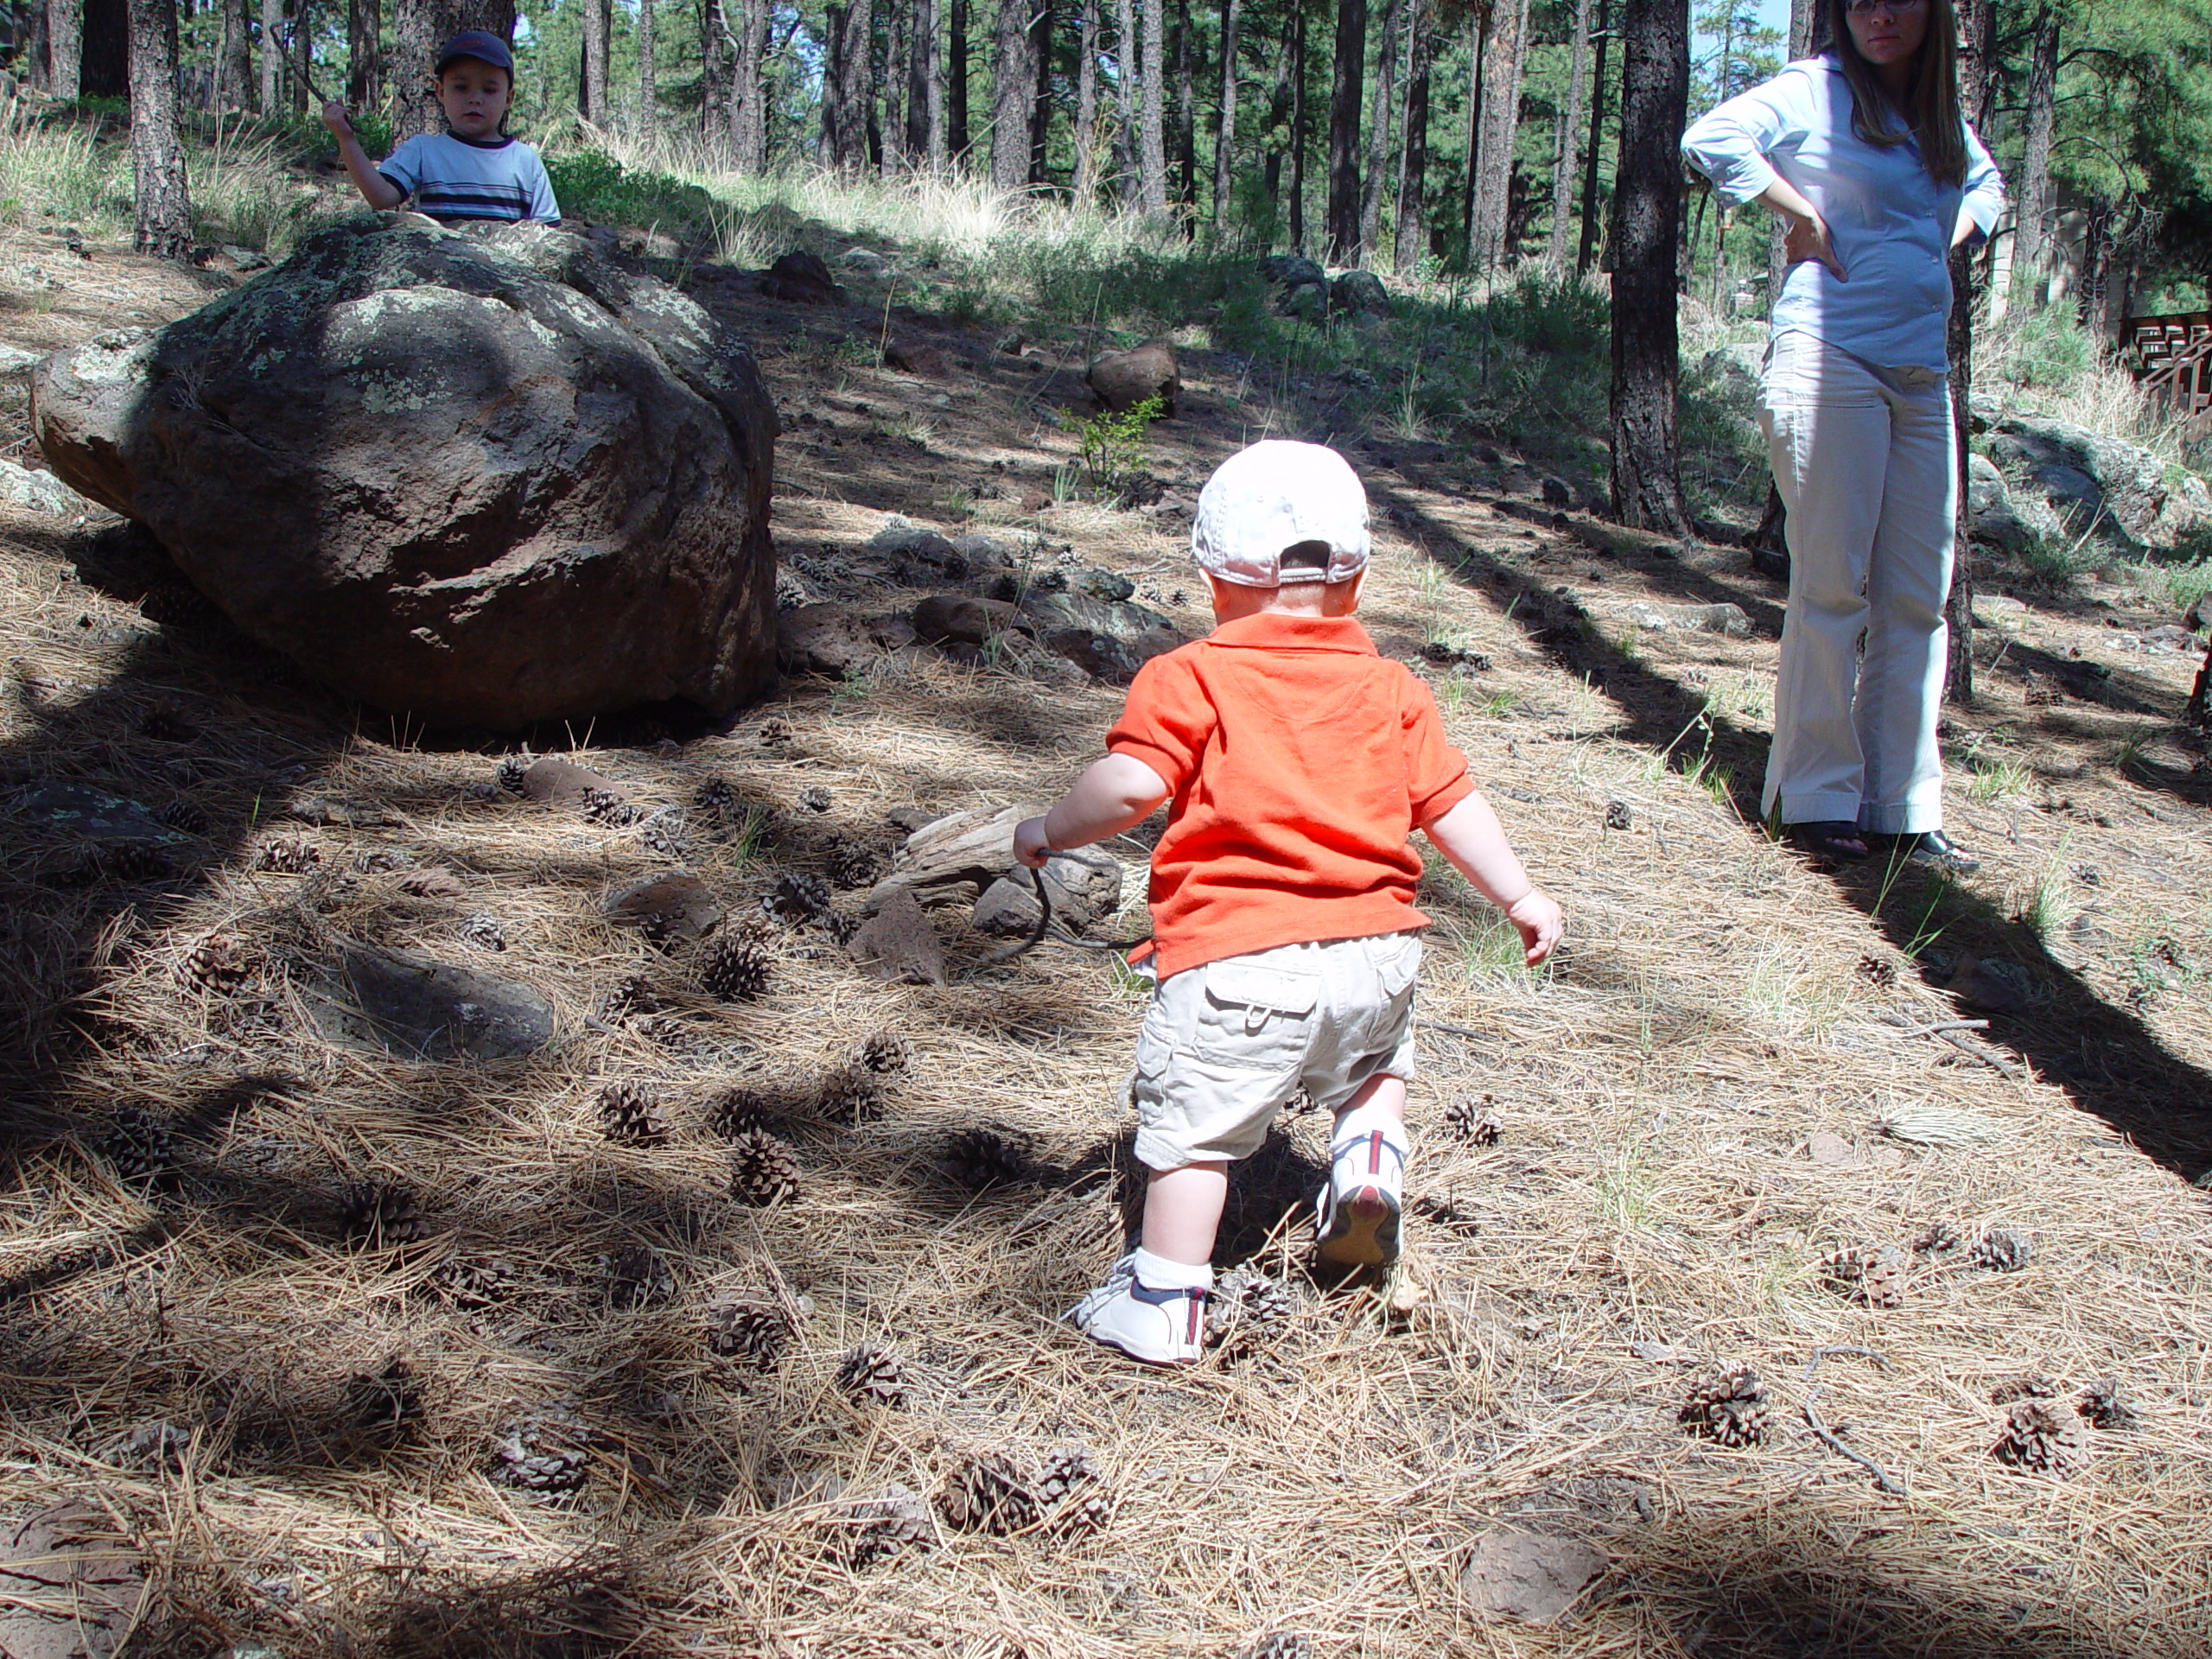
[1471,837]
[1113,794]
[376,189]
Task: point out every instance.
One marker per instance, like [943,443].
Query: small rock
[40,491]
[1122,380]
[418,1008]
[1083,886]
[898,945]
[864,260]
[1528,1577]
[917,357]
[800,278]
[1995,986]
[943,618]
[831,639]
[14,359]
[1108,585]
[555,782]
[1292,270]
[676,906]
[1306,302]
[435,882]
[1359,291]
[1558,493]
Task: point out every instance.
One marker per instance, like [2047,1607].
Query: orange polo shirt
[1299,762]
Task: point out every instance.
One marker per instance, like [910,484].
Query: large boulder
[484,478]
[1122,380]
[2123,495]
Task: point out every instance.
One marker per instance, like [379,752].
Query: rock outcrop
[484,478]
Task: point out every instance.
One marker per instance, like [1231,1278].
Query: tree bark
[103,50]
[1412,156]
[364,30]
[892,80]
[65,22]
[649,72]
[1477,39]
[591,89]
[1014,95]
[714,78]
[1587,249]
[925,88]
[1570,132]
[1084,184]
[1126,67]
[2031,250]
[1298,123]
[1224,126]
[845,91]
[165,202]
[1042,29]
[957,135]
[749,113]
[299,36]
[408,73]
[1654,101]
[1345,83]
[1182,55]
[1977,78]
[1152,113]
[1501,119]
[1378,131]
[234,62]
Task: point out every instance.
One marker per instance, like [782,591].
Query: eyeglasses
[1868,7]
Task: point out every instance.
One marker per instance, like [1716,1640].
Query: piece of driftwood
[951,859]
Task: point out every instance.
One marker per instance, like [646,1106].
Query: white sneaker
[1161,1327]
[1358,1213]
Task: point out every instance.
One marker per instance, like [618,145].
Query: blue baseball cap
[480,44]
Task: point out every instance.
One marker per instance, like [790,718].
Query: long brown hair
[1930,110]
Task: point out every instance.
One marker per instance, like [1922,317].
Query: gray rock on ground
[1291,269]
[1992,515]
[2133,499]
[1359,292]
[40,492]
[1122,380]
[415,1008]
[485,479]
[836,640]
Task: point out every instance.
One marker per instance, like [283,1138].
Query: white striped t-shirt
[466,178]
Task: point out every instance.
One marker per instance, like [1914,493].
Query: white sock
[1158,1273]
[1363,1121]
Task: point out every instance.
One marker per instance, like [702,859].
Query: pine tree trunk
[1152,113]
[925,88]
[1413,164]
[956,135]
[1279,122]
[407,76]
[1977,79]
[1224,126]
[1570,132]
[1297,125]
[649,72]
[1585,249]
[714,78]
[1477,39]
[1378,132]
[103,50]
[299,37]
[1085,182]
[164,203]
[1127,65]
[749,86]
[1182,56]
[1014,95]
[65,20]
[272,56]
[845,86]
[1654,101]
[591,91]
[1346,82]
[364,75]
[1042,29]
[1501,119]
[2031,251]
[894,81]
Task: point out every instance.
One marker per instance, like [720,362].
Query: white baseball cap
[1274,496]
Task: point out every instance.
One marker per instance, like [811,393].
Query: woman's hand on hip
[1807,238]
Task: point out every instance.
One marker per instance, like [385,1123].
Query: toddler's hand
[1536,916]
[334,118]
[1030,846]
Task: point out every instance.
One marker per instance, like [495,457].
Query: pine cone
[1282,1644]
[1731,1408]
[798,900]
[1245,1307]
[2101,1404]
[548,1451]
[1473,1121]
[484,932]
[605,806]
[775,731]
[137,1144]
[714,796]
[288,855]
[633,993]
[761,1169]
[851,865]
[1875,1277]
[816,799]
[383,860]
[1937,1238]
[1447,1214]
[473,1281]
[2001,1250]
[2024,1388]
[751,1330]
[511,768]
[872,1373]
[1617,815]
[885,1054]
[1072,1492]
[181,814]
[2040,1437]
[217,965]
[382,1216]
[737,1111]
[985,1157]
[734,969]
[636,1277]
[988,1493]
[848,1094]
[890,1526]
[631,1113]
[1882,972]
[386,1405]
[135,861]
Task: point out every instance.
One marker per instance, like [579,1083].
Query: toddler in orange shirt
[1296,762]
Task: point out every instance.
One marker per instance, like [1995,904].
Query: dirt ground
[1633,1170]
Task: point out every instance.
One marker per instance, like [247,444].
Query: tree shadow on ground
[2108,1062]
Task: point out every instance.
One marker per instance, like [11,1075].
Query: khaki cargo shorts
[1223,1045]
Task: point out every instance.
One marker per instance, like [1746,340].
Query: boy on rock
[1297,762]
[470,172]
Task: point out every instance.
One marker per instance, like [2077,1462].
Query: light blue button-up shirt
[1891,224]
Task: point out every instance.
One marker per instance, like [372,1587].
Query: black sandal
[1834,838]
[1932,851]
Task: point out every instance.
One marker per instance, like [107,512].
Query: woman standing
[1863,150]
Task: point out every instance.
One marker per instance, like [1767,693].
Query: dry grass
[1658,1092]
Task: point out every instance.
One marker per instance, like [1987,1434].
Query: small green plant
[1110,448]
[2048,908]
[1997,777]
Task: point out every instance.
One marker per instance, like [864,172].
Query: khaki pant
[1865,461]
